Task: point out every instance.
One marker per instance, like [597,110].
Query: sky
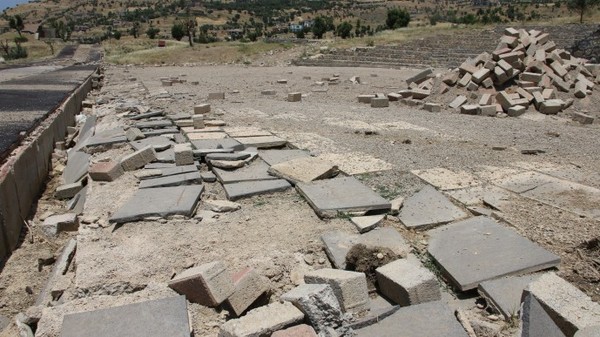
[4,4]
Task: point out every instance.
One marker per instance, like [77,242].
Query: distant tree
[357,29]
[319,28]
[16,23]
[344,30]
[397,18]
[152,32]
[580,6]
[135,30]
[177,31]
[117,35]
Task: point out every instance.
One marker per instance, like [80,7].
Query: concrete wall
[22,177]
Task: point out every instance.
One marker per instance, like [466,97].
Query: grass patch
[388,192]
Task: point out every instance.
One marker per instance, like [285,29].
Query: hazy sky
[10,3]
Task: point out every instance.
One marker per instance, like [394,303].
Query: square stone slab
[428,208]
[157,318]
[479,249]
[262,142]
[173,180]
[160,201]
[247,189]
[235,132]
[273,157]
[304,170]
[445,179]
[159,143]
[154,124]
[342,194]
[158,132]
[208,135]
[505,293]
[77,166]
[432,319]
[257,170]
[215,143]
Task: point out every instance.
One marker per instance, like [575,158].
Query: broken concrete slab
[68,190]
[262,142]
[163,317]
[273,157]
[208,177]
[318,303]
[428,208]
[154,124]
[464,250]
[342,194]
[222,206]
[160,201]
[55,224]
[248,287]
[209,284]
[301,330]
[257,170]
[169,171]
[407,282]
[445,179]
[420,77]
[138,159]
[504,294]
[304,170]
[349,287]
[172,180]
[263,321]
[245,189]
[59,268]
[226,164]
[227,156]
[431,319]
[77,166]
[338,244]
[158,132]
[159,143]
[107,137]
[226,143]
[366,223]
[240,132]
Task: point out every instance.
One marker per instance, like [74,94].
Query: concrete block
[504,294]
[467,68]
[263,321]
[198,121]
[294,97]
[504,100]
[301,330]
[138,159]
[464,81]
[365,98]
[201,109]
[568,308]
[582,118]
[515,111]
[380,102]
[432,107]
[472,86]
[394,97]
[248,287]
[209,284]
[458,101]
[55,224]
[451,78]
[68,190]
[216,95]
[551,106]
[580,90]
[105,171]
[408,282]
[349,287]
[420,77]
[486,99]
[488,110]
[488,83]
[481,75]
[318,303]
[184,154]
[538,98]
[469,109]
[134,134]
[420,93]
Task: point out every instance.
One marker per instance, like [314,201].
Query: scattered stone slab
[193,136]
[247,189]
[138,159]
[161,201]
[305,169]
[77,166]
[431,319]
[68,190]
[157,318]
[77,204]
[273,157]
[107,137]
[201,109]
[445,179]
[208,177]
[458,102]
[172,180]
[504,294]
[165,123]
[407,282]
[248,287]
[294,97]
[239,132]
[367,223]
[464,250]
[349,287]
[226,143]
[428,208]
[55,224]
[257,170]
[106,171]
[227,164]
[209,284]
[263,321]
[169,171]
[341,194]
[134,134]
[159,143]
[59,268]
[183,154]
[338,244]
[301,330]
[148,114]
[569,308]
[227,156]
[158,132]
[262,142]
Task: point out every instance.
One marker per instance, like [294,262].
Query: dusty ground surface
[279,234]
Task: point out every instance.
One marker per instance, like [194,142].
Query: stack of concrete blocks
[419,88]
[535,69]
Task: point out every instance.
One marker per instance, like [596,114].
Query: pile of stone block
[419,88]
[525,70]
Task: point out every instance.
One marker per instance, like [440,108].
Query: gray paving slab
[156,142]
[160,201]
[536,321]
[77,166]
[167,156]
[338,244]
[165,123]
[157,318]
[215,143]
[273,157]
[262,142]
[343,194]
[432,319]
[227,156]
[152,166]
[77,203]
[428,208]
[107,137]
[169,171]
[255,171]
[505,293]
[247,189]
[147,115]
[479,249]
[172,180]
[158,132]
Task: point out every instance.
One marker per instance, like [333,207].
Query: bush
[152,32]
[397,18]
[20,39]
[17,52]
[117,35]
[344,30]
[178,31]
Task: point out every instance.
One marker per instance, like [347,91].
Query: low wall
[23,175]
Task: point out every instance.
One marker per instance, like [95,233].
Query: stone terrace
[445,49]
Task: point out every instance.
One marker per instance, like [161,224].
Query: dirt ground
[279,234]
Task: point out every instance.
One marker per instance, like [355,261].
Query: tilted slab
[161,201]
[273,157]
[304,170]
[262,142]
[157,318]
[172,180]
[472,251]
[342,194]
[504,294]
[77,166]
[428,208]
[258,170]
[247,189]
